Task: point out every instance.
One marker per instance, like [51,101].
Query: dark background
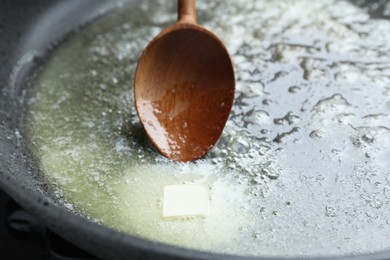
[12,248]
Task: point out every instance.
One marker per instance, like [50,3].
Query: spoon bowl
[184,88]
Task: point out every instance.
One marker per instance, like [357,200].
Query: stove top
[12,248]
[22,237]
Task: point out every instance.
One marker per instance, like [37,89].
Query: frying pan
[27,29]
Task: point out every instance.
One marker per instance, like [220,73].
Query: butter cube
[185,201]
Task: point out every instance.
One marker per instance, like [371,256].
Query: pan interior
[302,167]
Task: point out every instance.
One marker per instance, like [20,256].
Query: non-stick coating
[27,28]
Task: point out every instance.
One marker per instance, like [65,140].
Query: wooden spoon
[184,88]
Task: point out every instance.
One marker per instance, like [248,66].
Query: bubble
[317,134]
[257,117]
[289,118]
[294,89]
[335,102]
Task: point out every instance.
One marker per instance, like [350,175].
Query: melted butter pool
[302,168]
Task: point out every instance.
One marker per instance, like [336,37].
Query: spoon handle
[187,11]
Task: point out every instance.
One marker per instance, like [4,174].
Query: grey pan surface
[27,30]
